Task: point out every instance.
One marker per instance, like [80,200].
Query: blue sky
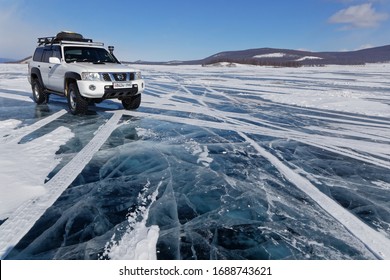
[183,29]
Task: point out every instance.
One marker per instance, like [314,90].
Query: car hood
[108,67]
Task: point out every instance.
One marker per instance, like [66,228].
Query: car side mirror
[54,60]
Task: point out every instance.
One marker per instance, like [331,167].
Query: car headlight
[138,75]
[90,76]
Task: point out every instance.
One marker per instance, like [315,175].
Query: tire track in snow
[24,218]
[199,99]
[16,97]
[310,139]
[377,243]
[338,116]
[239,126]
[345,119]
[271,129]
[23,131]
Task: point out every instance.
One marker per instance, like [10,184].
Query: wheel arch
[36,74]
[70,77]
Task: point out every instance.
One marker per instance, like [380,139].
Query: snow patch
[270,55]
[202,152]
[30,163]
[336,100]
[8,126]
[174,62]
[382,185]
[139,241]
[308,58]
[145,133]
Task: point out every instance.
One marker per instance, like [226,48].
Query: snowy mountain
[286,57]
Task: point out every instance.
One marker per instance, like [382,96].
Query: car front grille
[106,77]
[118,77]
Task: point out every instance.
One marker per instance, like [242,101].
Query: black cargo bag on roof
[69,36]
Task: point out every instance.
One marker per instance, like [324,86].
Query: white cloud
[359,16]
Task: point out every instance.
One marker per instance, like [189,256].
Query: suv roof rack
[52,40]
[66,37]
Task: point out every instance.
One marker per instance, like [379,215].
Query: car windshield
[88,54]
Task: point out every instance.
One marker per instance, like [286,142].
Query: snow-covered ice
[218,163]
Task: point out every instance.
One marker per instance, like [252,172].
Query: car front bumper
[106,90]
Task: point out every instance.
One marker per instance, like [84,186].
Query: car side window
[46,54]
[56,52]
[38,54]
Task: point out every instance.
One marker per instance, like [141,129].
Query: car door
[56,71]
[44,66]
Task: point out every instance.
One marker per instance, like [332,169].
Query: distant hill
[292,58]
[21,61]
[4,60]
[276,57]
[14,61]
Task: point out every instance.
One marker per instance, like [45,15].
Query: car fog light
[92,87]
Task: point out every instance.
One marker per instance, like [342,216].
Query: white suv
[83,71]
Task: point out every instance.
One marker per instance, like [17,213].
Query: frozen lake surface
[217,163]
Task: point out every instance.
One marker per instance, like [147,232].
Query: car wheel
[77,104]
[39,96]
[131,103]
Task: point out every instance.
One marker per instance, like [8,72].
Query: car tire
[77,104]
[39,96]
[132,103]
